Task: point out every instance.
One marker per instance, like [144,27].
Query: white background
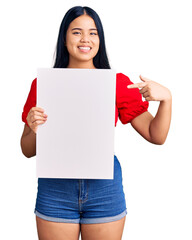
[148,37]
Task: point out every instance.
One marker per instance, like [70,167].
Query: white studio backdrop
[152,38]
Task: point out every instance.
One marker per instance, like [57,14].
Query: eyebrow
[81,29]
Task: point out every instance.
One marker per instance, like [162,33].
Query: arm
[28,142]
[35,117]
[154,129]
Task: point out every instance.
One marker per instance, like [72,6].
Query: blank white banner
[77,140]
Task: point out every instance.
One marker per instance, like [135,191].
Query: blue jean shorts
[84,201]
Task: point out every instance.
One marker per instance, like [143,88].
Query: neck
[83,64]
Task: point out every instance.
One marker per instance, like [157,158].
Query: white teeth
[85,48]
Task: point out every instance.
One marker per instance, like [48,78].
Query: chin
[86,58]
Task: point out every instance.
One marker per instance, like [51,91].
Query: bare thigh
[57,231]
[103,231]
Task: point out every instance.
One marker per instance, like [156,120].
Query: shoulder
[122,77]
[34,82]
[34,86]
[122,81]
[33,90]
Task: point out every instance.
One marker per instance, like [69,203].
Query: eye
[76,33]
[93,33]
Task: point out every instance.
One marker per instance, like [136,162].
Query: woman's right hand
[35,117]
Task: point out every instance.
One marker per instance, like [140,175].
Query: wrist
[168,98]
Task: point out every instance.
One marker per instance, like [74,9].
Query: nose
[85,38]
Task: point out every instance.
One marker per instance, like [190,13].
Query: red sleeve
[31,101]
[129,101]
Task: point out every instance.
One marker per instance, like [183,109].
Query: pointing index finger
[137,85]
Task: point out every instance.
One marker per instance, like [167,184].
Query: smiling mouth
[84,49]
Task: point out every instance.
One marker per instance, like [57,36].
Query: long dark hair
[62,55]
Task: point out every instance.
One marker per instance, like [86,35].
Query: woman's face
[82,40]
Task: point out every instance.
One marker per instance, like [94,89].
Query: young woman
[96,207]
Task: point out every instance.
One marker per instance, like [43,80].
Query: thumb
[144,79]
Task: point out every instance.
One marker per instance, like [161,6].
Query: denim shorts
[85,201]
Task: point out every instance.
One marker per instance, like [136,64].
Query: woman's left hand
[152,91]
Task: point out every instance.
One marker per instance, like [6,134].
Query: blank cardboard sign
[77,140]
